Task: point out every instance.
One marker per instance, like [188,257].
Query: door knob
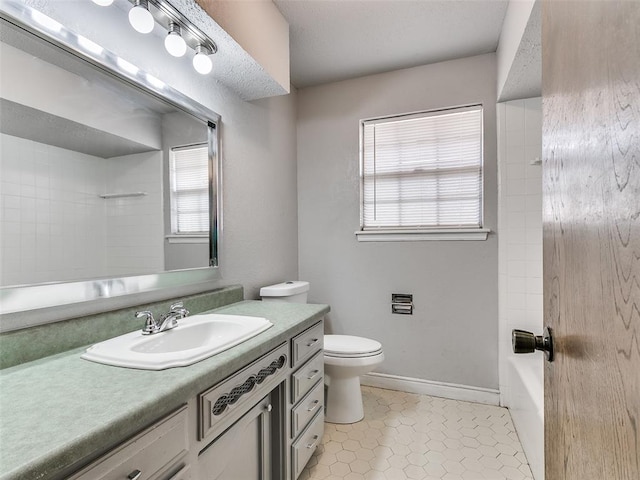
[527,342]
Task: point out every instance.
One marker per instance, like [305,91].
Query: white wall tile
[514,118]
[51,218]
[58,190]
[520,229]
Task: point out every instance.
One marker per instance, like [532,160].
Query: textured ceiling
[525,75]
[338,39]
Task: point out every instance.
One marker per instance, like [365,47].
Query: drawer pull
[135,475]
[313,406]
[314,443]
[312,342]
[313,374]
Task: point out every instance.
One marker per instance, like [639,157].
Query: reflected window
[189,182]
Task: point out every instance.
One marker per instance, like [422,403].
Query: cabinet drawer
[224,403]
[306,344]
[155,453]
[306,409]
[303,448]
[306,377]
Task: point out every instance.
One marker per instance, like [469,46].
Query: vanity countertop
[60,410]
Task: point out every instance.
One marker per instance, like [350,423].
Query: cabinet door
[243,451]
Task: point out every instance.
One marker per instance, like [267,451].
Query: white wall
[452,336]
[259,240]
[52,220]
[135,228]
[520,267]
[30,81]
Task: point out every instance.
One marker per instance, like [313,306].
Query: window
[189,180]
[422,174]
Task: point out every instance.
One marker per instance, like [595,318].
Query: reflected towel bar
[123,195]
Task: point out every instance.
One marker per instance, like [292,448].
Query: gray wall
[260,221]
[452,336]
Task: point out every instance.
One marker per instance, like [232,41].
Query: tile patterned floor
[409,436]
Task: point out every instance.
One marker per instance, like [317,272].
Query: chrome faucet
[170,320]
[166,322]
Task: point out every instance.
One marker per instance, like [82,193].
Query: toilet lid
[349,346]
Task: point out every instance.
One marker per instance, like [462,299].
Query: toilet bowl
[346,357]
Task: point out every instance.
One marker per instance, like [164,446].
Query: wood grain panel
[591,223]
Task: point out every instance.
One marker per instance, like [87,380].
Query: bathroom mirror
[93,204]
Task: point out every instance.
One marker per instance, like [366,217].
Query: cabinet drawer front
[154,453]
[221,405]
[183,474]
[306,344]
[306,409]
[306,377]
[303,448]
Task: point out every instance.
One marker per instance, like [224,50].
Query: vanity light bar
[176,24]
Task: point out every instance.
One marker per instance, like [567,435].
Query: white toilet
[346,357]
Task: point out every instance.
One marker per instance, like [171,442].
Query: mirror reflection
[98,178]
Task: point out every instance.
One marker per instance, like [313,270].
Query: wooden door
[591,218]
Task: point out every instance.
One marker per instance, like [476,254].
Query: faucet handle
[178,307]
[150,325]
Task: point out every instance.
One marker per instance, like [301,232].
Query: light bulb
[173,42]
[140,18]
[201,61]
[103,3]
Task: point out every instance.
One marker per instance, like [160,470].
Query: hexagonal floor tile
[410,436]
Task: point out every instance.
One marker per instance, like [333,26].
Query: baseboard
[453,391]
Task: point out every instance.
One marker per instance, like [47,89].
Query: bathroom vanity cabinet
[157,453]
[263,422]
[307,396]
[239,432]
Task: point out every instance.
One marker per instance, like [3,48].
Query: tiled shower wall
[52,219]
[520,266]
[55,227]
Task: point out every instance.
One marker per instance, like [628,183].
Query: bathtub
[525,400]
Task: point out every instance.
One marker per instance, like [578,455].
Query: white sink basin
[194,339]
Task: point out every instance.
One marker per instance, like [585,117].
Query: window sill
[188,238]
[478,234]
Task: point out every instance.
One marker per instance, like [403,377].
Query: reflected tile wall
[51,218]
[55,227]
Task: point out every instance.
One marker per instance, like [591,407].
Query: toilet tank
[292,292]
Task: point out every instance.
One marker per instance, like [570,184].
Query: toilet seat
[349,346]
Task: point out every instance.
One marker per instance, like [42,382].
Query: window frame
[400,233]
[192,235]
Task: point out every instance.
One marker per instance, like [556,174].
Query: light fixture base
[165,14]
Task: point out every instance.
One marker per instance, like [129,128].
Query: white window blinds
[423,171]
[189,179]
